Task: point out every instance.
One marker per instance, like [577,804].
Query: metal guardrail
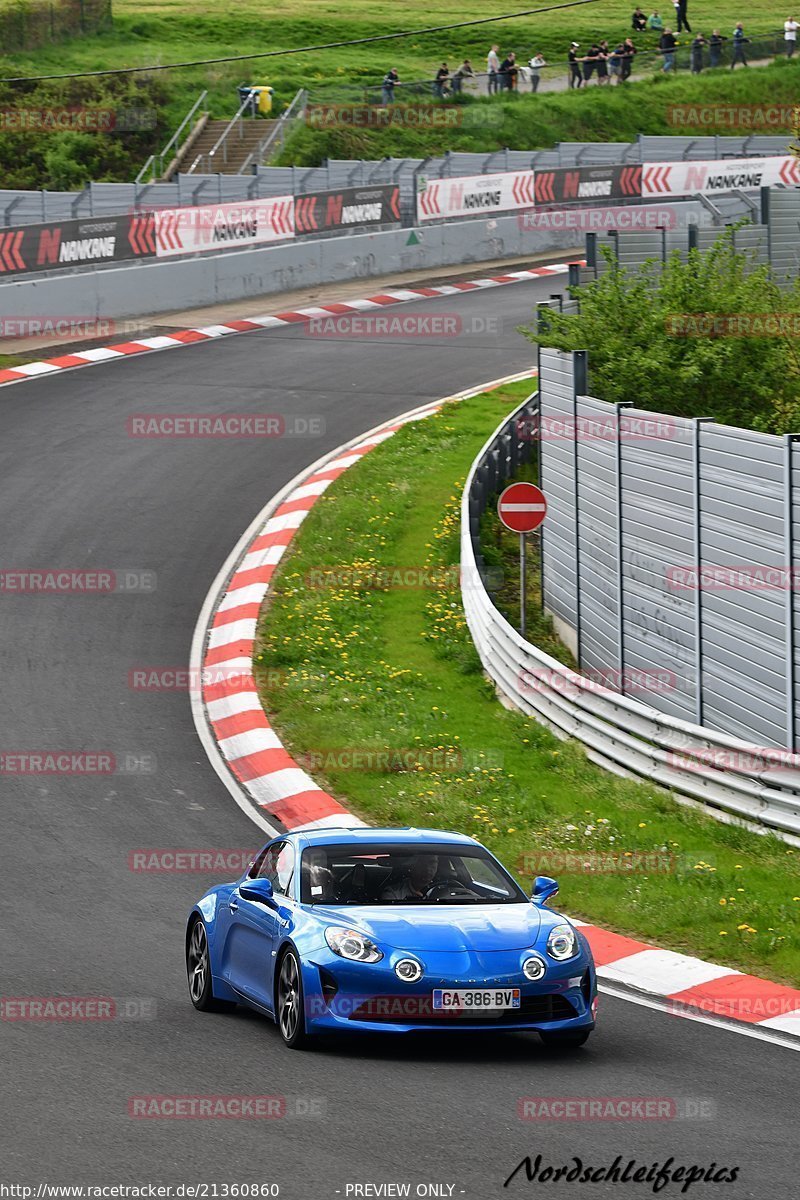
[620,734]
[155,163]
[276,138]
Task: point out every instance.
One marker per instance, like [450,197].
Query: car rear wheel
[289,1007]
[570,1040]
[198,971]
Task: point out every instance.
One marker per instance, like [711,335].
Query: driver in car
[417,882]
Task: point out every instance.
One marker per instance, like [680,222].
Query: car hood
[446,927]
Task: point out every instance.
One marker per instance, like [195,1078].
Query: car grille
[532,1008]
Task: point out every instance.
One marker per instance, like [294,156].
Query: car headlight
[562,942]
[533,968]
[408,969]
[353,945]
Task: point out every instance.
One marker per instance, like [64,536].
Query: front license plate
[481,1000]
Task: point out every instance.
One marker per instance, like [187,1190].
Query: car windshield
[404,874]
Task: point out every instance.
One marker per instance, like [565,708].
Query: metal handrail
[222,140]
[160,157]
[278,131]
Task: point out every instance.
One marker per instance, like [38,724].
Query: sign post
[522,507]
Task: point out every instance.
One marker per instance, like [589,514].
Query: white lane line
[662,1006]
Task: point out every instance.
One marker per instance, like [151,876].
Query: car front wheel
[289,1003]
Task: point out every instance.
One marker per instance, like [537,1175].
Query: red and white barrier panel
[215,226]
[466,195]
[715,176]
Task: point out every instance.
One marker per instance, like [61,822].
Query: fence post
[698,564]
[620,577]
[788,534]
[580,387]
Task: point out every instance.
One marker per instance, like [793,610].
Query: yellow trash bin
[265,94]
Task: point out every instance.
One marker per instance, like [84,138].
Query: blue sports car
[394,930]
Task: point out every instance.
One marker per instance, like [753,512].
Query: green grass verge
[393,669]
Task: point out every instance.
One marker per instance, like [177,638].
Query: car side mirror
[544,888]
[260,890]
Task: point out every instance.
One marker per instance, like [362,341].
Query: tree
[652,341]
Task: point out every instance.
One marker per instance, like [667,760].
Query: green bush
[626,324]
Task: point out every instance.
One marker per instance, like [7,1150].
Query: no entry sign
[522,507]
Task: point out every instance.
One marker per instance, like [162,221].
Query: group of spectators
[609,65]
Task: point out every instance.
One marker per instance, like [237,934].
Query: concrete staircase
[239,144]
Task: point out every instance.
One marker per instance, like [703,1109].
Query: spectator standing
[465,71]
[697,53]
[739,43]
[442,80]
[492,69]
[627,58]
[790,28]
[615,61]
[655,23]
[575,76]
[638,21]
[602,62]
[666,44]
[589,63]
[681,19]
[387,88]
[715,43]
[536,64]
[508,71]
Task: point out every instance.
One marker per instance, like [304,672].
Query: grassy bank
[393,669]
[154,32]
[524,122]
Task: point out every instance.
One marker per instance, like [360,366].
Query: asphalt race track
[77,492]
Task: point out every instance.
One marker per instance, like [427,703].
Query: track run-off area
[78,492]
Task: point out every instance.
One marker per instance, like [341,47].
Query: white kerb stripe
[261,558]
[788,1023]
[240,744]
[253,593]
[234,631]
[290,520]
[280,785]
[231,706]
[662,971]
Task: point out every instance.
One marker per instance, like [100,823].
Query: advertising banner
[587,183]
[218,226]
[86,241]
[708,178]
[321,212]
[468,195]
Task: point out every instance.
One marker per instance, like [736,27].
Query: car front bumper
[358,997]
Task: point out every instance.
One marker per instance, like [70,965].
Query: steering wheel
[450,891]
